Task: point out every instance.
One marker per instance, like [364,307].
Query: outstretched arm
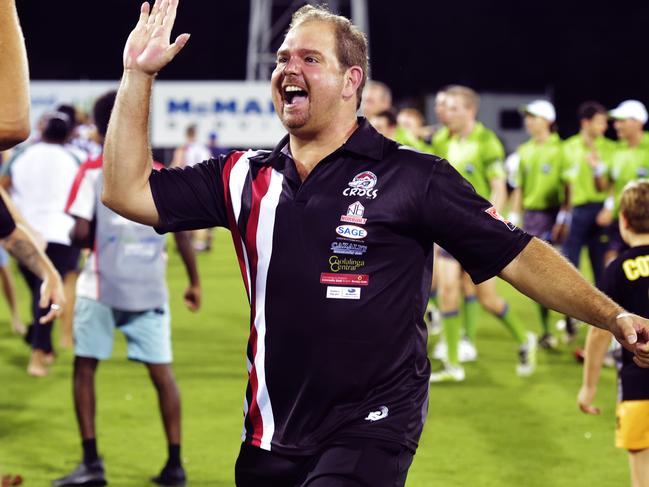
[127,155]
[546,277]
[14,79]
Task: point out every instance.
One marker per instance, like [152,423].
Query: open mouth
[294,94]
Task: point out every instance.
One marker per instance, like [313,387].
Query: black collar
[365,141]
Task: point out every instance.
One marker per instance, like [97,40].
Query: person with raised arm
[333,231]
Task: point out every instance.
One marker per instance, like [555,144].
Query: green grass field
[493,430]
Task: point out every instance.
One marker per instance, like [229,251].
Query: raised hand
[148,48]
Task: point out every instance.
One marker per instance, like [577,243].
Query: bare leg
[639,465]
[84,395]
[168,399]
[9,291]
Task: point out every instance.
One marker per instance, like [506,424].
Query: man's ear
[353,79]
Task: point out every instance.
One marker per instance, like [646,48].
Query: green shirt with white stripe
[628,164]
[540,174]
[478,157]
[580,174]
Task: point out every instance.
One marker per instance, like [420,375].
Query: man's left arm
[539,272]
[192,294]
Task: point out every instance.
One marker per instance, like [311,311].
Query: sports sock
[543,315]
[470,311]
[174,455]
[89,450]
[452,330]
[432,298]
[513,324]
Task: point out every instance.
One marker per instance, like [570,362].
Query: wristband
[623,315]
[600,169]
[609,203]
[563,217]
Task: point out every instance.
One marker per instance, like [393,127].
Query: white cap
[630,109]
[541,108]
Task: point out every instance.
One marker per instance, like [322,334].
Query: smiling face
[310,89]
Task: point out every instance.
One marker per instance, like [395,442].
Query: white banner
[241,113]
[47,95]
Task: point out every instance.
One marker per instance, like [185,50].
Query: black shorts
[356,462]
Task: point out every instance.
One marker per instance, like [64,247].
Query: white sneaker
[467,351]
[527,357]
[449,373]
[440,352]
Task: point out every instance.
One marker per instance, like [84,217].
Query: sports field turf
[493,430]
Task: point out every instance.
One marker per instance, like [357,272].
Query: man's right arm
[127,155]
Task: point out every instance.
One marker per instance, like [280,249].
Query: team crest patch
[362,185]
[493,213]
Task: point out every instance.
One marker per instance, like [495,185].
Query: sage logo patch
[351,231]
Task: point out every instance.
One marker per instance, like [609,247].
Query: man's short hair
[588,109]
[389,116]
[102,110]
[70,111]
[381,86]
[634,205]
[351,43]
[413,112]
[470,97]
[57,127]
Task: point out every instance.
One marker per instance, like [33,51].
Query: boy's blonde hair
[634,205]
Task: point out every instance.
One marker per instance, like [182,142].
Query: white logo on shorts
[376,415]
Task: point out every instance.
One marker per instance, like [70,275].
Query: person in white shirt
[40,182]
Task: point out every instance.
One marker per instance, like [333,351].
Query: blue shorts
[148,333]
[4,257]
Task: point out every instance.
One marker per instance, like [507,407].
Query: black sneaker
[88,474]
[174,476]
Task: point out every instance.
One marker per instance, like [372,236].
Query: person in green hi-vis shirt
[588,154]
[411,130]
[477,154]
[539,192]
[630,161]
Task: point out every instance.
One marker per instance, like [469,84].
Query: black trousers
[65,259]
[356,462]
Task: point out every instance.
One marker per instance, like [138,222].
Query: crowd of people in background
[566,192]
[563,191]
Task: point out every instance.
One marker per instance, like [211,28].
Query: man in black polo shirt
[334,231]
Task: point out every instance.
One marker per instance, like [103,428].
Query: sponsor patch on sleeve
[493,213]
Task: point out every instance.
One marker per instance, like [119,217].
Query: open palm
[148,48]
